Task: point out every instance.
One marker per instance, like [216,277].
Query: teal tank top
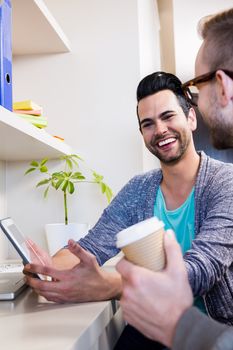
[181,221]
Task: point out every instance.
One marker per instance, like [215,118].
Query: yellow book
[27,105]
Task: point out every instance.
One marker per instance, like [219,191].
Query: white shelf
[35,31]
[19,140]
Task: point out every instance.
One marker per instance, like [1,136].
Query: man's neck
[179,179]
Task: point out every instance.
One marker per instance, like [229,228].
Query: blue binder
[5,55]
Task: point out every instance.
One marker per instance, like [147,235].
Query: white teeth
[165,142]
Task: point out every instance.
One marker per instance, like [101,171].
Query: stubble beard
[220,124]
[182,138]
[222,136]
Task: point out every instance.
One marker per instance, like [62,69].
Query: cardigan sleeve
[195,331]
[121,213]
[212,249]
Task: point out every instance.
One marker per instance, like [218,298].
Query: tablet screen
[20,239]
[20,242]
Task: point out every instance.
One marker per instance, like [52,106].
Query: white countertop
[31,322]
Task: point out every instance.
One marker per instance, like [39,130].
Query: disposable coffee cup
[142,243]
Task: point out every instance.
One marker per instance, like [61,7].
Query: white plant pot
[57,235]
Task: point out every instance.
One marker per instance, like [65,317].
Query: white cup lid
[140,230]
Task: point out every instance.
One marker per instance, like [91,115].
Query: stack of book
[30,111]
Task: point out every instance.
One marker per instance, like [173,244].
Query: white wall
[89,98]
[187,13]
[149,57]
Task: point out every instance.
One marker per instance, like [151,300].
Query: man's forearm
[113,285]
[64,259]
[196,331]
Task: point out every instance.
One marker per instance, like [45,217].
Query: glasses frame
[199,80]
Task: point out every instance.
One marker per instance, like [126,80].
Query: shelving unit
[19,140]
[35,31]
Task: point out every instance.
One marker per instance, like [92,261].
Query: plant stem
[65,207]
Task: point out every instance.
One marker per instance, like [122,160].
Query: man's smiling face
[166,130]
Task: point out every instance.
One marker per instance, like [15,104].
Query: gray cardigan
[195,331]
[209,261]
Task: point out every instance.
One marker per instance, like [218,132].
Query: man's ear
[192,119]
[224,88]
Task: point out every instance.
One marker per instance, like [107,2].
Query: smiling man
[190,193]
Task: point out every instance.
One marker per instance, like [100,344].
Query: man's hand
[62,260]
[153,302]
[86,281]
[37,254]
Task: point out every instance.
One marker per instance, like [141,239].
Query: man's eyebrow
[149,119]
[146,120]
[165,113]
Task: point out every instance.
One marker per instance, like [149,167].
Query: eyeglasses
[190,88]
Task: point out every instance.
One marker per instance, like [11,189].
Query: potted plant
[65,180]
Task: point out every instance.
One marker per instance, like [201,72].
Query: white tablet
[20,242]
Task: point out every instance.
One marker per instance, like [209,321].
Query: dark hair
[159,81]
[217,32]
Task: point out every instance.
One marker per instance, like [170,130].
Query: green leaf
[58,184]
[77,176]
[76,156]
[70,187]
[97,177]
[43,161]
[53,183]
[67,174]
[59,175]
[46,192]
[103,187]
[69,163]
[43,182]
[34,163]
[64,185]
[29,171]
[75,162]
[108,193]
[43,169]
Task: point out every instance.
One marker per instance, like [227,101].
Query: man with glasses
[146,295]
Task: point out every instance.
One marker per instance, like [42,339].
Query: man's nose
[160,128]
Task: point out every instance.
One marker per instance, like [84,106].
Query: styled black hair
[159,81]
